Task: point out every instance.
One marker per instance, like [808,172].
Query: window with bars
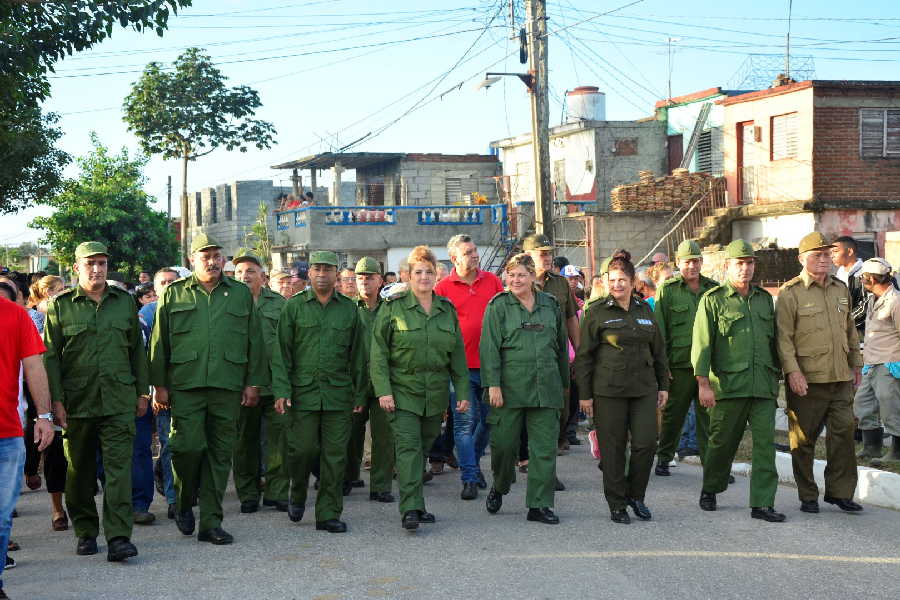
[198,209]
[214,206]
[784,136]
[879,133]
[453,188]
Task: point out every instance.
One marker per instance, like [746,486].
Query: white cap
[876,266]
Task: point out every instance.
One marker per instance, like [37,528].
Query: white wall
[785,230]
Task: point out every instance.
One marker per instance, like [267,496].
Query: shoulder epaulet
[66,292]
[504,293]
[673,279]
[763,290]
[179,282]
[542,294]
[838,280]
[791,282]
[713,290]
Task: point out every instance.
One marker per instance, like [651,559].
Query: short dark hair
[621,264]
[848,241]
[560,262]
[390,273]
[876,278]
[621,253]
[8,289]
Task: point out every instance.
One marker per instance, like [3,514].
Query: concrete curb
[879,488]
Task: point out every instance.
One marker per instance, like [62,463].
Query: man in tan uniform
[819,350]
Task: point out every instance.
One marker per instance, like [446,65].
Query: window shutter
[784,136]
[453,186]
[704,152]
[892,133]
[871,132]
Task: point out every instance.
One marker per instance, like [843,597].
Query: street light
[492,78]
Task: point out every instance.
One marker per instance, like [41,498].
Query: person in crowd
[282,283]
[368,284]
[145,294]
[660,258]
[845,256]
[559,263]
[144,277]
[403,271]
[735,358]
[575,279]
[299,277]
[96,398]
[316,369]
[249,451]
[417,345]
[598,290]
[677,300]
[819,352]
[142,470]
[206,361]
[623,377]
[442,272]
[347,282]
[470,289]
[525,366]
[390,277]
[645,288]
[661,272]
[879,394]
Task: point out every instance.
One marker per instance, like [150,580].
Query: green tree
[107,203]
[189,112]
[258,238]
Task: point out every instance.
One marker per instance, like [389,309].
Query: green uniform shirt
[367,322]
[318,360]
[734,343]
[621,353]
[95,360]
[268,309]
[415,355]
[525,353]
[205,339]
[676,307]
[558,287]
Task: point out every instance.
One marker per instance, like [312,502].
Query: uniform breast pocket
[730,323]
[614,333]
[681,314]
[407,334]
[119,331]
[237,317]
[445,337]
[76,335]
[342,333]
[181,317]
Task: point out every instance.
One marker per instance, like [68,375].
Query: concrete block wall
[635,232]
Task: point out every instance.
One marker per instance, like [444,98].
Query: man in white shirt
[845,256]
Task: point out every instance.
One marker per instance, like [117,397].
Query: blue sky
[332,71]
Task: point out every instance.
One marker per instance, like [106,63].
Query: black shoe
[316,484]
[86,546]
[357,483]
[184,520]
[494,501]
[731,479]
[542,515]
[620,516]
[662,469]
[216,535]
[250,506]
[426,517]
[120,548]
[170,512]
[10,563]
[347,488]
[427,476]
[809,506]
[410,520]
[574,441]
[279,505]
[640,510]
[482,483]
[600,464]
[707,501]
[558,485]
[143,517]
[158,477]
[684,452]
[295,512]
[331,526]
[469,491]
[845,504]
[381,497]
[767,514]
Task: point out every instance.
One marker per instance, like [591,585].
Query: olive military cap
[201,241]
[739,249]
[536,241]
[368,265]
[276,275]
[86,249]
[244,254]
[687,250]
[813,241]
[323,257]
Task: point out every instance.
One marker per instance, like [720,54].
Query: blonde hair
[40,289]
[654,271]
[522,259]
[422,254]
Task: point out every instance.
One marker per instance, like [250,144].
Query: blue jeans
[163,427]
[689,433]
[12,464]
[142,464]
[471,431]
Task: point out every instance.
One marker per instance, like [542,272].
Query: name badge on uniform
[532,326]
[608,321]
[645,321]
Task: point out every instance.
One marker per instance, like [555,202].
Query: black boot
[892,456]
[872,443]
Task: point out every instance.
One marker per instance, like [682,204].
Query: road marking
[882,560]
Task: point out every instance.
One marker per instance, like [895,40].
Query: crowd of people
[276,377]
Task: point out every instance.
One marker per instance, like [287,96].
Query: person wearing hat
[735,361]
[819,352]
[381,474]
[207,359]
[676,306]
[250,270]
[280,282]
[97,369]
[879,394]
[317,368]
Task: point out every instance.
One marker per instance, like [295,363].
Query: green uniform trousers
[204,427]
[318,436]
[113,436]
[542,425]
[618,421]
[727,421]
[828,405]
[682,392]
[381,474]
[250,453]
[413,436]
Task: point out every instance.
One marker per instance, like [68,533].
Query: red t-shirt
[470,302]
[19,340]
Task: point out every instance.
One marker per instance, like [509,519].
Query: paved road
[682,553]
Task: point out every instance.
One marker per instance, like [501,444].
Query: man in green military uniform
[206,361]
[368,284]
[248,450]
[676,307]
[316,370]
[735,361]
[97,370]
[819,350]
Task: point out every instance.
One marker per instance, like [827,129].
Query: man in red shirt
[470,289]
[20,350]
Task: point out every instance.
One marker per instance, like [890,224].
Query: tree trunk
[184,211]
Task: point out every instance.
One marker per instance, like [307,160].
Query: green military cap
[739,249]
[536,241]
[813,241]
[687,250]
[86,249]
[201,241]
[244,254]
[323,257]
[368,265]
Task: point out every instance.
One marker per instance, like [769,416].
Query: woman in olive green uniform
[417,349]
[525,366]
[622,374]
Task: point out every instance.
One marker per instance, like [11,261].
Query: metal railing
[495,214]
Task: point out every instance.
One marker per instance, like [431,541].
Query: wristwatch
[46,416]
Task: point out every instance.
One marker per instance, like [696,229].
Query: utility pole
[536,23]
[169,200]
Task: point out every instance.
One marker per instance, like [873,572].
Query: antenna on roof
[787,49]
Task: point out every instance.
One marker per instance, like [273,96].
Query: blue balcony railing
[495,214]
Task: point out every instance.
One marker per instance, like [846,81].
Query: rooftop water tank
[585,103]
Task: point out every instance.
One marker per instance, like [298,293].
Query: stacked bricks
[668,193]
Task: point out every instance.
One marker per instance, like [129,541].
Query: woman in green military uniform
[417,349]
[525,366]
[622,375]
